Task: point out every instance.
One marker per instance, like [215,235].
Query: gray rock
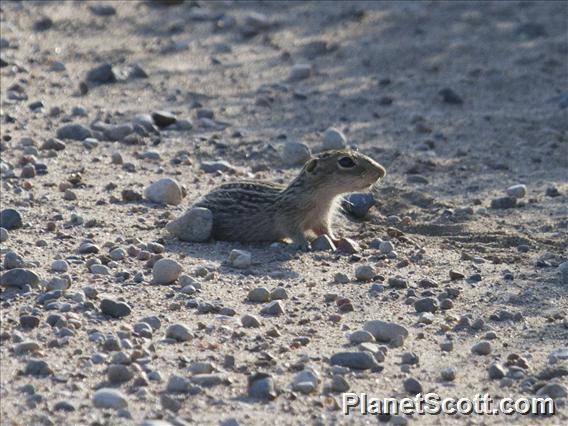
[153,321]
[305,381]
[178,332]
[361,336]
[109,398]
[448,374]
[207,380]
[195,225]
[54,144]
[64,406]
[164,191]
[496,371]
[481,348]
[426,304]
[201,368]
[279,293]
[365,273]
[19,277]
[553,390]
[29,321]
[166,271]
[259,295]
[115,309]
[261,386]
[117,132]
[101,74]
[412,386]
[339,384]
[295,153]
[25,347]
[503,203]
[119,373]
[255,23]
[358,203]
[59,283]
[323,243]
[397,282]
[76,132]
[37,367]
[4,235]
[386,247]
[178,384]
[240,259]
[409,358]
[563,269]
[517,191]
[250,321]
[163,118]
[10,219]
[334,139]
[273,308]
[98,269]
[59,266]
[13,260]
[354,360]
[300,72]
[102,9]
[384,331]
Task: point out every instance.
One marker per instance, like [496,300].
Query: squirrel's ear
[310,167]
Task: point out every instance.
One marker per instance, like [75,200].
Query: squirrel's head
[343,171]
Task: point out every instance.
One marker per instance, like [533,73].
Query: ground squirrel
[261,211]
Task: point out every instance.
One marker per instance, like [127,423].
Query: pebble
[323,243]
[217,166]
[37,367]
[178,332]
[59,266]
[119,373]
[26,347]
[240,258]
[341,278]
[153,321]
[261,386]
[163,118]
[360,336]
[10,219]
[295,153]
[553,390]
[517,191]
[504,203]
[117,254]
[365,273]
[195,225]
[426,304]
[496,371]
[101,74]
[300,72]
[102,9]
[339,384]
[201,368]
[384,331]
[166,271]
[358,204]
[69,195]
[76,132]
[456,275]
[19,277]
[450,97]
[386,247]
[117,132]
[412,386]
[348,246]
[448,374]
[354,360]
[334,139]
[274,308]
[481,348]
[164,191]
[259,295]
[115,309]
[409,358]
[207,380]
[109,398]
[3,235]
[397,282]
[552,191]
[29,321]
[98,269]
[64,406]
[279,293]
[250,321]
[305,381]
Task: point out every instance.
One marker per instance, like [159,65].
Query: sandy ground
[377,70]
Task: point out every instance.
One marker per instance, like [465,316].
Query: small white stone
[164,191]
[240,258]
[295,153]
[517,191]
[334,139]
[59,266]
[195,225]
[166,271]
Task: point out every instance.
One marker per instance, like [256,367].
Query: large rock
[10,219]
[76,132]
[19,277]
[164,191]
[195,225]
[385,331]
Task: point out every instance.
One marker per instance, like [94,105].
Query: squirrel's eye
[346,162]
